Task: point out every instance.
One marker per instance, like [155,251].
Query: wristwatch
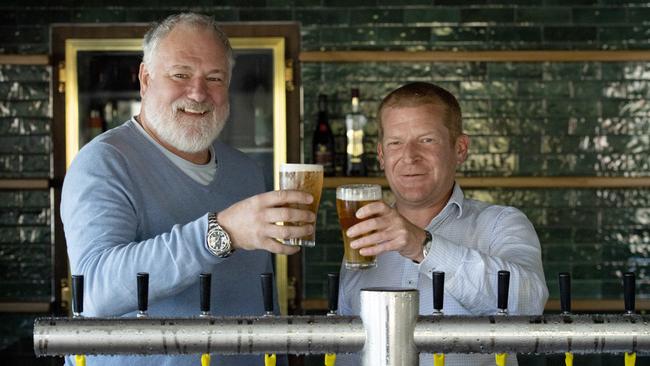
[217,240]
[426,244]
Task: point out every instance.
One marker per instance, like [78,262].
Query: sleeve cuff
[443,256]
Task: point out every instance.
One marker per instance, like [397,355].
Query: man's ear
[144,76]
[380,155]
[462,146]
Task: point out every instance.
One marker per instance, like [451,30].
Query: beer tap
[629,284]
[564,279]
[78,308]
[267,294]
[438,279]
[143,294]
[205,282]
[502,303]
[333,305]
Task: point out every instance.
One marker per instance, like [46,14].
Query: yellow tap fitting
[630,359]
[330,359]
[205,359]
[80,360]
[269,359]
[568,359]
[500,359]
[438,359]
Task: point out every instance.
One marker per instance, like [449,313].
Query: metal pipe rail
[335,334]
[389,332]
[147,336]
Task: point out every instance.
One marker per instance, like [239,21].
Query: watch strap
[217,240]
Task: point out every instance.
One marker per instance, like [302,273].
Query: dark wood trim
[577,305]
[515,182]
[24,183]
[317,305]
[597,305]
[489,56]
[24,307]
[24,60]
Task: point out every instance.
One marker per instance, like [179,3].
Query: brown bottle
[323,140]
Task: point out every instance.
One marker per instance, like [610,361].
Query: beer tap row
[389,330]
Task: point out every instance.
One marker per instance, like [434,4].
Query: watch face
[213,240]
[218,242]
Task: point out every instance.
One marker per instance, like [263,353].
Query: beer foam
[358,192]
[301,167]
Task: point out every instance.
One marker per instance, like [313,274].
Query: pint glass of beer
[350,198]
[307,178]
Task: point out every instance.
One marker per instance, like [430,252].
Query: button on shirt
[472,241]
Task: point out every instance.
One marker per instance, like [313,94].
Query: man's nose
[411,151]
[197,89]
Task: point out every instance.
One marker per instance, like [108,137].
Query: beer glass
[350,198]
[307,178]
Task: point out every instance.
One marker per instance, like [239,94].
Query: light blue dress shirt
[472,241]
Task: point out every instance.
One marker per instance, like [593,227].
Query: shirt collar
[455,202]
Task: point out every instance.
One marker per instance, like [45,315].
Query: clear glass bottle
[355,122]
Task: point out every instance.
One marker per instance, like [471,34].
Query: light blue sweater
[126,208]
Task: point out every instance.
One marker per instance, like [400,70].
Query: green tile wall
[25,150]
[529,119]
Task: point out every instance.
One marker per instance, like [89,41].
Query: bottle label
[323,156]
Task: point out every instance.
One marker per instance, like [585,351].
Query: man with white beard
[160,194]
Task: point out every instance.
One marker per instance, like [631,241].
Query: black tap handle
[333,291]
[565,291]
[629,284]
[77,294]
[503,285]
[267,291]
[143,291]
[205,280]
[438,289]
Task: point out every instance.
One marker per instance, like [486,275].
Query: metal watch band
[217,239]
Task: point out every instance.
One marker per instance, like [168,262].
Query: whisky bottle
[323,141]
[355,121]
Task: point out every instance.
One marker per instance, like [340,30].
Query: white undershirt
[201,173]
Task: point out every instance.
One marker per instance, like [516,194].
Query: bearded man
[160,194]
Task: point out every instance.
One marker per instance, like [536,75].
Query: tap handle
[77,294]
[205,280]
[629,282]
[503,286]
[267,291]
[333,291]
[438,289]
[143,291]
[565,291]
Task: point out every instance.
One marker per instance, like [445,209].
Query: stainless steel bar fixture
[388,332]
[389,316]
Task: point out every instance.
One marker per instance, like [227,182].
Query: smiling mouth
[193,111]
[412,175]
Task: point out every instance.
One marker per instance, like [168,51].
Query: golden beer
[307,178]
[349,199]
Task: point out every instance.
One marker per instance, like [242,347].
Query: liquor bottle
[355,121]
[323,140]
[95,124]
